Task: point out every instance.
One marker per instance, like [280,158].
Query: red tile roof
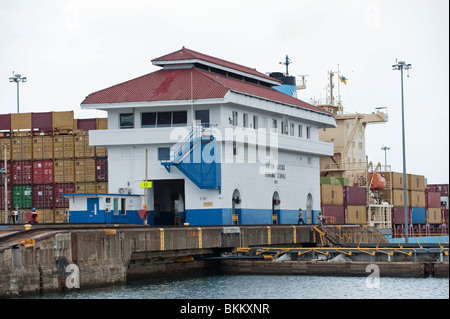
[187,54]
[168,85]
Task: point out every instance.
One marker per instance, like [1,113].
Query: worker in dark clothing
[300,217]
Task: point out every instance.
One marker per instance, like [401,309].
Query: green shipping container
[22,196]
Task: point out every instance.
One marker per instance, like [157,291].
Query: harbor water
[268,287]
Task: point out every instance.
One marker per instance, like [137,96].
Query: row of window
[284,127]
[162,119]
[179,118]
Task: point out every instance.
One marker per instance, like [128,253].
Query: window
[202,116]
[255,122]
[123,204]
[126,120]
[274,125]
[164,153]
[308,132]
[164,119]
[179,118]
[148,119]
[245,119]
[300,131]
[235,118]
[291,130]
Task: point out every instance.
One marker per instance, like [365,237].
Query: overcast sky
[69,49]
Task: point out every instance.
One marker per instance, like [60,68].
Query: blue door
[93,211]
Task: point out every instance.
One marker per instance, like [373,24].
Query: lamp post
[17,78]
[385,149]
[401,66]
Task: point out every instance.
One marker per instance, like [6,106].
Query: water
[268,287]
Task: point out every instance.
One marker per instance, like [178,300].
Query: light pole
[17,78]
[385,149]
[400,66]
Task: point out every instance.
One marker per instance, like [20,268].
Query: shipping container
[333,214]
[22,172]
[43,172]
[418,215]
[43,196]
[2,199]
[446,216]
[398,215]
[433,199]
[101,151]
[46,216]
[86,188]
[5,141]
[356,214]
[434,215]
[64,171]
[21,121]
[354,195]
[396,180]
[416,182]
[102,123]
[101,169]
[102,188]
[63,146]
[21,146]
[397,198]
[417,198]
[42,121]
[5,122]
[58,191]
[42,147]
[59,214]
[62,120]
[81,145]
[22,196]
[8,173]
[331,194]
[87,124]
[85,170]
[439,188]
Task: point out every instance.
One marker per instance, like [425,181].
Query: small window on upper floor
[245,119]
[126,120]
[308,132]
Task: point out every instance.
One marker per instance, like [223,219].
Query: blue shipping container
[418,215]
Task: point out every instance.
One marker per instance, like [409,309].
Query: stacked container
[332,200]
[355,205]
[48,154]
[442,190]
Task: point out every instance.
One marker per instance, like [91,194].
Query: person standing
[300,217]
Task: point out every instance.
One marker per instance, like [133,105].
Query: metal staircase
[188,156]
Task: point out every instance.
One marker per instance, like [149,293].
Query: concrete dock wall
[43,260]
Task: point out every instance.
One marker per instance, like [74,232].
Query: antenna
[286,63]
